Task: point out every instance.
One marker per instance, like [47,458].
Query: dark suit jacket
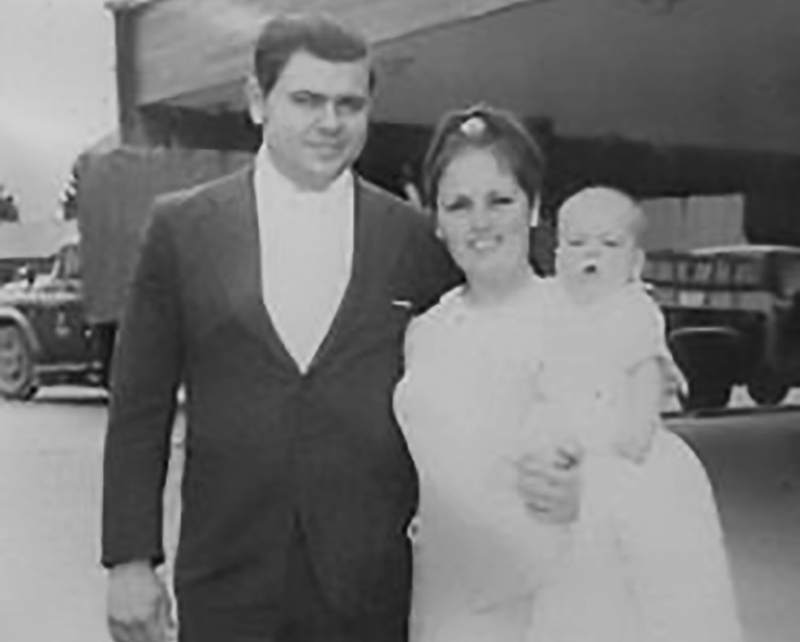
[267,447]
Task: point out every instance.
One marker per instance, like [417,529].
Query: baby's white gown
[644,563]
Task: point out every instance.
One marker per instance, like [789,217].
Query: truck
[59,327]
[733,318]
[733,312]
[43,334]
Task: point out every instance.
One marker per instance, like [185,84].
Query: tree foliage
[69,197]
[9,212]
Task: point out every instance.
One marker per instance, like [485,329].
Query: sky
[57,95]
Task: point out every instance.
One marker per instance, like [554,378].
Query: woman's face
[484,216]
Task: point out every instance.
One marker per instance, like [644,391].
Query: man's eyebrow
[319,95]
[308,92]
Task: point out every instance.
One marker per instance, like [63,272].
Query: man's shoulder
[446,310]
[194,201]
[379,201]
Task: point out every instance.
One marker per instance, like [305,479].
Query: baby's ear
[638,263]
[558,260]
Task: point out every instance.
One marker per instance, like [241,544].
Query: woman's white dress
[645,561]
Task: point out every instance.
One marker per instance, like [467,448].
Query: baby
[598,263]
[604,369]
[599,380]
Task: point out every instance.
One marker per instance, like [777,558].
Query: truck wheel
[17,380]
[705,396]
[766,389]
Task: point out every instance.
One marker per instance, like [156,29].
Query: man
[279,297]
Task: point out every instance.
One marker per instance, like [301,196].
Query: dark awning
[715,73]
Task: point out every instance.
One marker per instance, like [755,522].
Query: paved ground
[754,464]
[51,587]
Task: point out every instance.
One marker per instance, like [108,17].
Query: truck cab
[733,317]
[44,337]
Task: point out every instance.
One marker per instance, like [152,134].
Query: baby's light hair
[591,199]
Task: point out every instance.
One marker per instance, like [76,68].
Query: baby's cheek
[569,266]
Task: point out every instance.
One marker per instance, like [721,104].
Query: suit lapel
[232,234]
[369,254]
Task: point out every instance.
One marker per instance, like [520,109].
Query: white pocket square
[403,304]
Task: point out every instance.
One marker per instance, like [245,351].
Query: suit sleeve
[434,270]
[146,373]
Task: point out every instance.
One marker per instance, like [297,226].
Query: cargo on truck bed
[60,327]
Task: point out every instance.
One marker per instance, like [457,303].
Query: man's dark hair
[317,34]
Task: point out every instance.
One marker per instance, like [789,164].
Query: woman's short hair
[317,34]
[483,127]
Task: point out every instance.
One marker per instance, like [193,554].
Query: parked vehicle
[44,336]
[733,317]
[60,327]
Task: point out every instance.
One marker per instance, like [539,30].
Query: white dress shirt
[306,241]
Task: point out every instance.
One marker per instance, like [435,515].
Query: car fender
[15,317]
[723,332]
[712,337]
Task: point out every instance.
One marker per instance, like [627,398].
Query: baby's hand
[634,444]
[634,450]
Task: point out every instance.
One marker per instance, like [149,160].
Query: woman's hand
[550,483]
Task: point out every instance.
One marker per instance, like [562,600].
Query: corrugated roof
[716,73]
[183,46]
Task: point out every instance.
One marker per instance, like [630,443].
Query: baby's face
[597,250]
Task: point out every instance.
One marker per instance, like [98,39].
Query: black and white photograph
[400,321]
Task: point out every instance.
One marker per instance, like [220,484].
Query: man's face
[315,118]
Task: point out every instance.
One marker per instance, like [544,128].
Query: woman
[485,567]
[463,396]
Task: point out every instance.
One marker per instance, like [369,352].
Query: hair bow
[473,127]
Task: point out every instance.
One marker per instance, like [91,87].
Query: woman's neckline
[529,281]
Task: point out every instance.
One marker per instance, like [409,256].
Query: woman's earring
[535,211]
[438,233]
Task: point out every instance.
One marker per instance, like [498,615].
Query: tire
[766,389]
[17,378]
[705,396]
[710,358]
